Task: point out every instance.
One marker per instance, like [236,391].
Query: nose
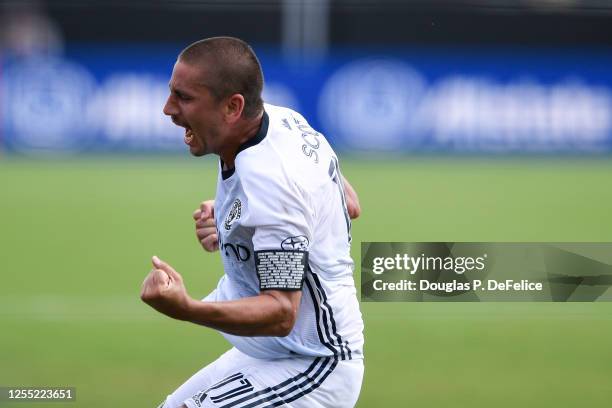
[170,107]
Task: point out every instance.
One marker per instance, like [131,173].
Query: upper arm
[282,222]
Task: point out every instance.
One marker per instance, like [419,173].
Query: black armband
[281,270]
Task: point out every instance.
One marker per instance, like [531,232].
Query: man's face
[192,106]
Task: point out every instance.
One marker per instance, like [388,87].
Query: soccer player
[287,302]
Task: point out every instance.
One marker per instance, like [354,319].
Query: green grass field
[76,237]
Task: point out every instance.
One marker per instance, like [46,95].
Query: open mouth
[188,138]
[189,135]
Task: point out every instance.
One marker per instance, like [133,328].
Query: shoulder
[291,152]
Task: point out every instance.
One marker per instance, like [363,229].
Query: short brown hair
[233,68]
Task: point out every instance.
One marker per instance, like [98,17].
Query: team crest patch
[299,242]
[233,215]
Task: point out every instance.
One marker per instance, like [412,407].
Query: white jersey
[282,224]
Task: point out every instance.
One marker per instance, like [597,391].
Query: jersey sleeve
[279,212]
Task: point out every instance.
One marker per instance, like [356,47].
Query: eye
[182,96]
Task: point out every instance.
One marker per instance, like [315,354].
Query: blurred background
[456,120]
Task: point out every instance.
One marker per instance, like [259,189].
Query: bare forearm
[262,315]
[352,200]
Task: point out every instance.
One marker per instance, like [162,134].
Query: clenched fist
[163,290]
[206,230]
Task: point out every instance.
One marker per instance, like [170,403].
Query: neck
[246,130]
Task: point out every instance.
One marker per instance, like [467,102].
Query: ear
[234,108]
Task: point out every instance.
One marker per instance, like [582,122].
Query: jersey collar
[259,136]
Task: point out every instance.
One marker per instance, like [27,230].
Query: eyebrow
[178,91]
